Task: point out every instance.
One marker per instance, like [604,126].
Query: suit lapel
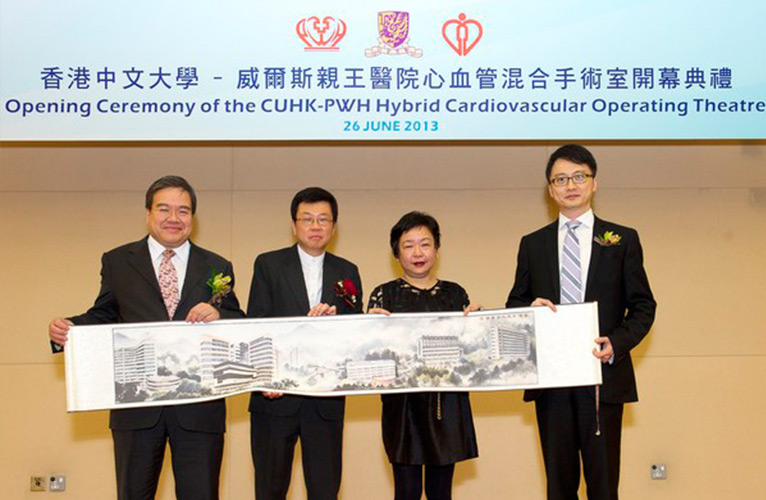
[197,269]
[329,277]
[141,261]
[551,245]
[595,255]
[295,280]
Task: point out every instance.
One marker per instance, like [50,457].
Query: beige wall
[700,209]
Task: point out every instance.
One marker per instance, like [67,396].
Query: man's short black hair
[170,181]
[313,195]
[572,152]
[412,220]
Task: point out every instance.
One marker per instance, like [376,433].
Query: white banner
[93,70]
[148,364]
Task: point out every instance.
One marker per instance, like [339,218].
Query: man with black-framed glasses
[581,258]
[301,280]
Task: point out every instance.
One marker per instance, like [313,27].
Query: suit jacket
[616,280]
[278,289]
[130,293]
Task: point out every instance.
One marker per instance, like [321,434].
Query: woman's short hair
[410,221]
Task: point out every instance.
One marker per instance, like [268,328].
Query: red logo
[462,34]
[321,34]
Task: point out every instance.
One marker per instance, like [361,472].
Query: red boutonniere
[346,290]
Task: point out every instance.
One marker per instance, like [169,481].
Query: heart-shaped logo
[462,34]
[321,34]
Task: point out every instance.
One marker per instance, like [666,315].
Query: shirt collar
[309,260]
[156,249]
[587,219]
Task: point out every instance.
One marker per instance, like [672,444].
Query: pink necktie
[169,282]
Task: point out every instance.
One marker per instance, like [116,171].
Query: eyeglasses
[308,221]
[577,178]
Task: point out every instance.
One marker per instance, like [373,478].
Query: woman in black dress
[431,429]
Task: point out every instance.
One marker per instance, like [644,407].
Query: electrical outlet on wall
[57,482]
[37,483]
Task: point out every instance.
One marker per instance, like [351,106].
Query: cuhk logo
[393,36]
[321,34]
[462,34]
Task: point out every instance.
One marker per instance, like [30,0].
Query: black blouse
[433,428]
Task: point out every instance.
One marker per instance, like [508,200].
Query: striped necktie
[571,275]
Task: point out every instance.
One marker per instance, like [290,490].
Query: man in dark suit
[301,280]
[581,258]
[159,278]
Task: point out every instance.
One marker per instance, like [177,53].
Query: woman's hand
[378,310]
[471,307]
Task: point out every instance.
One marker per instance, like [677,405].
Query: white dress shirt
[179,260]
[312,275]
